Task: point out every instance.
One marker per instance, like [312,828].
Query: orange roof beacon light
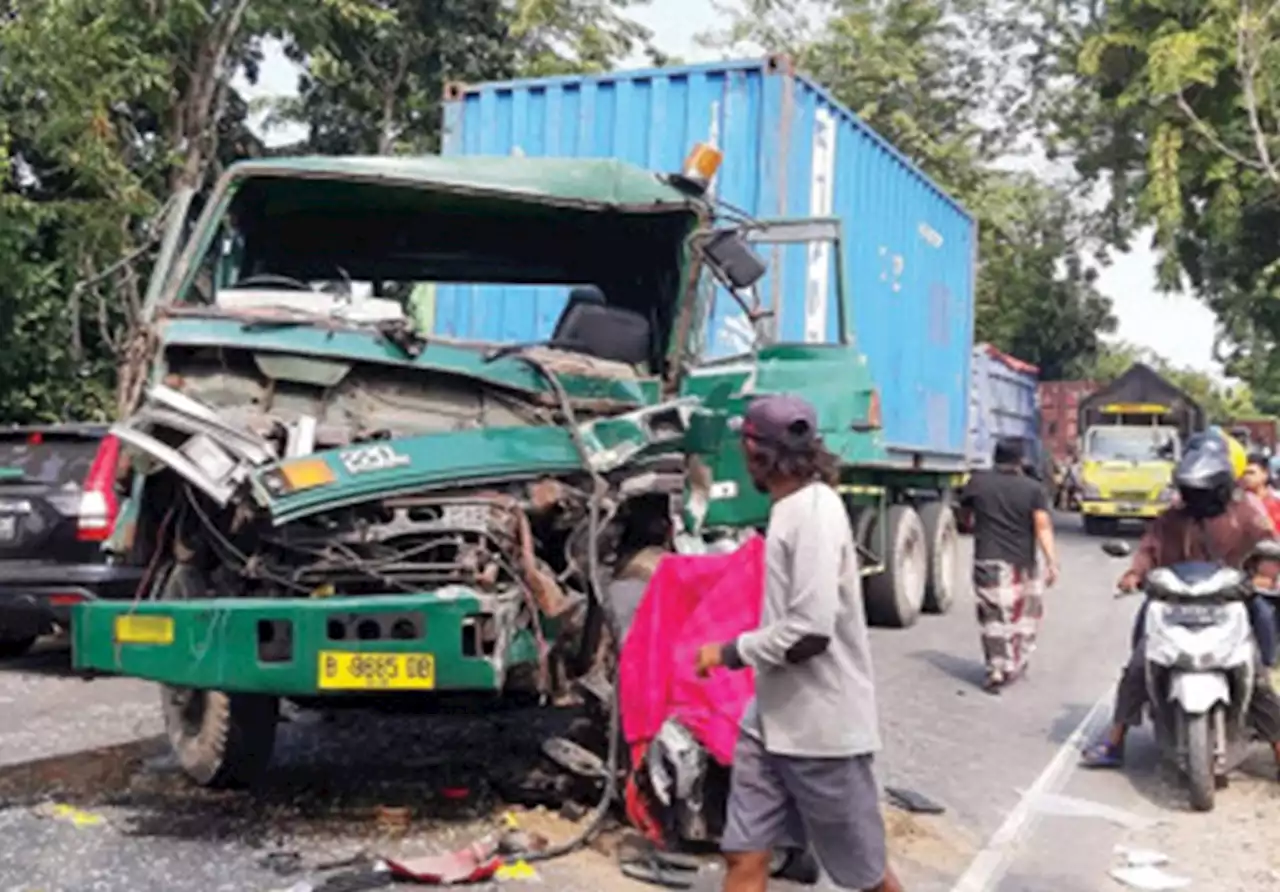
[700,167]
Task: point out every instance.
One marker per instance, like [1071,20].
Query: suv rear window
[53,459]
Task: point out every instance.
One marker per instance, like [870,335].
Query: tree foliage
[109,107]
[1174,110]
[1221,402]
[946,81]
[374,71]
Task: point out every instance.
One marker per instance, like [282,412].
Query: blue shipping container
[790,151]
[1002,404]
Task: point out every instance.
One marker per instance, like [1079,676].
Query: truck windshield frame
[1132,443]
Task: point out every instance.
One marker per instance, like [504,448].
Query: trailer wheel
[221,740]
[943,580]
[895,596]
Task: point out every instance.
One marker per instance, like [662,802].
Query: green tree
[945,82]
[1037,296]
[108,108]
[1171,108]
[1222,402]
[375,71]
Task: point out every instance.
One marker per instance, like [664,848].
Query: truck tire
[1200,780]
[895,596]
[943,538]
[221,740]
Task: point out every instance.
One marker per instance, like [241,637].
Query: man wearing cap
[802,770]
[1011,521]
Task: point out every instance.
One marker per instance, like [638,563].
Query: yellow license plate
[347,671]
[144,630]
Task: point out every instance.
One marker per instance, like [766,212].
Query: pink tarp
[691,600]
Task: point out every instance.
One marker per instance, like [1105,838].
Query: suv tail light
[98,502]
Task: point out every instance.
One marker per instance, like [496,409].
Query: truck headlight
[1090,491]
[1166,495]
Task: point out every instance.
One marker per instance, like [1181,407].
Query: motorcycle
[1200,659]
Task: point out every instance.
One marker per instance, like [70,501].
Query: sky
[1177,327]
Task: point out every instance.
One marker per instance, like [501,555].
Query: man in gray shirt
[802,771]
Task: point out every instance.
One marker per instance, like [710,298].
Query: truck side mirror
[734,262]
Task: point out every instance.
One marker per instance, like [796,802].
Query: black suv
[59,497]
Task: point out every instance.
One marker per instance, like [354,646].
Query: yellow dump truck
[1132,435]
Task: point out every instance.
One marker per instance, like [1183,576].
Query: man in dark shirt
[1010,520]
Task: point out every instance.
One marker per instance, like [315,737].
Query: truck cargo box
[790,150]
[1002,404]
[1142,396]
[1060,415]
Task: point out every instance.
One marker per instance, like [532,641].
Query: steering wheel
[272,280]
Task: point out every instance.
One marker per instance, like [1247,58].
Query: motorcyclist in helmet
[1211,521]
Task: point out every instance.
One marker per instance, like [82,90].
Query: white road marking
[990,865]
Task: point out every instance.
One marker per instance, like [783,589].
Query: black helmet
[1204,477]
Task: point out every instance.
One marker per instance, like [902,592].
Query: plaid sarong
[1010,607]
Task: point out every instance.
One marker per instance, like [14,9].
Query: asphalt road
[90,801]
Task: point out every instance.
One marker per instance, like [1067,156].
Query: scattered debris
[68,813]
[914,802]
[376,876]
[281,863]
[476,862]
[518,842]
[1073,807]
[1149,879]
[1142,857]
[574,758]
[518,870]
[394,818]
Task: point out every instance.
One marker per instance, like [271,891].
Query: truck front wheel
[221,740]
[895,596]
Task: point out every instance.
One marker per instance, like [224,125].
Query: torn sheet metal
[216,457]
[677,766]
[612,442]
[472,864]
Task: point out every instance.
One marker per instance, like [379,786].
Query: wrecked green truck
[331,503]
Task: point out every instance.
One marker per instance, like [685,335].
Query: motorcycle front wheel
[1200,761]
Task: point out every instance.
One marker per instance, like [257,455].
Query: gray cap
[782,419]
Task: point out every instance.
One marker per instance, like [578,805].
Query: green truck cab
[332,503]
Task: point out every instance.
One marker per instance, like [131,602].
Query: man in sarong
[1011,522]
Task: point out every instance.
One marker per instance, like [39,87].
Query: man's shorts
[832,805]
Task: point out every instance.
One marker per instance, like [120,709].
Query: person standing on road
[802,770]
[1010,520]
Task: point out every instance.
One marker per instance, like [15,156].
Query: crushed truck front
[333,503]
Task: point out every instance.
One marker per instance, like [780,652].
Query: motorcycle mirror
[1117,549]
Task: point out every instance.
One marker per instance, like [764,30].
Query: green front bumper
[274,646]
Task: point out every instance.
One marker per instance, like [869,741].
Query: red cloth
[691,600]
[1272,505]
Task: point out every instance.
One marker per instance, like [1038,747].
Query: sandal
[668,869]
[994,682]
[1102,755]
